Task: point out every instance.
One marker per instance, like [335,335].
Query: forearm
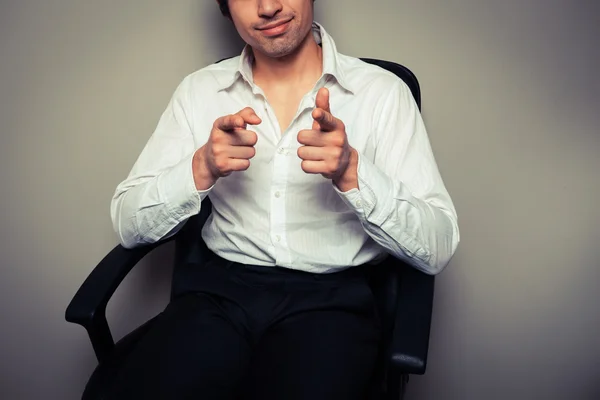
[401,200]
[147,208]
[423,232]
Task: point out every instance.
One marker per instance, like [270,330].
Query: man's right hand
[229,148]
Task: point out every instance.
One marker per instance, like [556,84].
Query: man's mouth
[275,28]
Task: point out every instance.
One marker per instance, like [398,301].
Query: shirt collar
[331,64]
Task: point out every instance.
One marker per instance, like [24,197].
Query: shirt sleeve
[401,200]
[159,195]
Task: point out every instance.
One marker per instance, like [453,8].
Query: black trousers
[252,332]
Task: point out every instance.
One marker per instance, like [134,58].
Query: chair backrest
[401,72]
[189,246]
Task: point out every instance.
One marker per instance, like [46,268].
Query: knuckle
[338,152]
[221,164]
[338,141]
[331,167]
[304,166]
[221,121]
[306,136]
[218,139]
[218,149]
[240,165]
[253,138]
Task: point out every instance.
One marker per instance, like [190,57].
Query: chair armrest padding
[412,325]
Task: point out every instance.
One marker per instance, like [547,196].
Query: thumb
[250,116]
[322,100]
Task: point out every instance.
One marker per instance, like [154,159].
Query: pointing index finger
[326,121]
[322,100]
[230,122]
[239,120]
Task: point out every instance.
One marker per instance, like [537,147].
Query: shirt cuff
[374,197]
[352,199]
[177,187]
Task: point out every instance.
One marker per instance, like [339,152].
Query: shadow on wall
[146,290]
[144,293]
[223,39]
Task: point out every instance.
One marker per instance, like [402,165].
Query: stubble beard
[283,45]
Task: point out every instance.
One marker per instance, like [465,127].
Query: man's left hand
[325,147]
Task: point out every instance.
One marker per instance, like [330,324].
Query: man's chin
[277,52]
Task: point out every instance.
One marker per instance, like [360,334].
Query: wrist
[203,178]
[348,180]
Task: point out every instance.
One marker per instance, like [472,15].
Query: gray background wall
[511,102]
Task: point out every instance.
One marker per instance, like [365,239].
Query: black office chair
[404,297]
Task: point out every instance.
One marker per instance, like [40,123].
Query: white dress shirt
[276,214]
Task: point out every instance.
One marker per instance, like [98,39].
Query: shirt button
[277,194]
[358,203]
[278,238]
[281,150]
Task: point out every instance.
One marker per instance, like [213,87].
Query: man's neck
[304,66]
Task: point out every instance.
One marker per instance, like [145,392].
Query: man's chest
[295,114]
[275,177]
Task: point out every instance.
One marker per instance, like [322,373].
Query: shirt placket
[281,173]
[278,215]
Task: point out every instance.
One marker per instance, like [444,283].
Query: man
[318,166]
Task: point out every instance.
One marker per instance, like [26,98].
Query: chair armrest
[88,306]
[410,341]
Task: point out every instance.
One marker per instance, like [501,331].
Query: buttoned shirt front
[276,214]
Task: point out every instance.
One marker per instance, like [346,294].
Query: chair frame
[405,345]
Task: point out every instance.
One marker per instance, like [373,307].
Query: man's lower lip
[276,30]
